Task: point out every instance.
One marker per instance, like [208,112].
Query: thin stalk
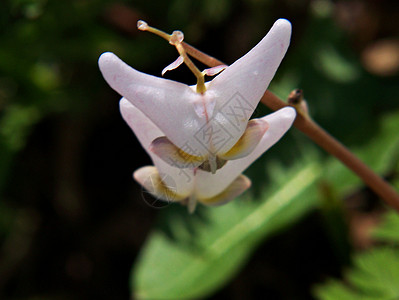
[201,56]
[200,77]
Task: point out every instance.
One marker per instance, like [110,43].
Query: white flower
[204,126]
[191,185]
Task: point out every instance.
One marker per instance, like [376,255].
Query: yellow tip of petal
[160,186]
[236,188]
[256,128]
[173,155]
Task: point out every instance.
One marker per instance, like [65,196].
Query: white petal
[238,89]
[256,128]
[146,132]
[159,185]
[173,107]
[236,188]
[173,155]
[209,185]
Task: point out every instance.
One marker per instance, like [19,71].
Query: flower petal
[236,188]
[176,109]
[215,70]
[212,164]
[238,89]
[159,185]
[256,128]
[173,65]
[279,122]
[146,132]
[173,155]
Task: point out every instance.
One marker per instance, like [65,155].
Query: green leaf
[334,290]
[378,154]
[16,122]
[335,66]
[375,276]
[192,264]
[375,273]
[389,229]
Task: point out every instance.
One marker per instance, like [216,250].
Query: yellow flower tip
[174,155]
[236,188]
[176,37]
[141,25]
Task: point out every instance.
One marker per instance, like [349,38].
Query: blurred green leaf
[171,267]
[379,154]
[335,66]
[15,125]
[389,229]
[375,275]
[197,264]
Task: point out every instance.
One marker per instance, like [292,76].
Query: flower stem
[200,77]
[201,56]
[305,124]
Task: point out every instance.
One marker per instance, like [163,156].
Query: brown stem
[332,146]
[320,137]
[201,56]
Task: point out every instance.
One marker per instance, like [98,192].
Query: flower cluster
[200,137]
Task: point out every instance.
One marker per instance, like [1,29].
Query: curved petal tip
[288,113]
[105,58]
[281,30]
[235,189]
[161,186]
[283,24]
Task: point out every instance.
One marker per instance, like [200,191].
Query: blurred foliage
[72,220]
[201,253]
[388,231]
[375,276]
[375,273]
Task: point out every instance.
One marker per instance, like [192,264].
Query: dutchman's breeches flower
[200,136]
[191,185]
